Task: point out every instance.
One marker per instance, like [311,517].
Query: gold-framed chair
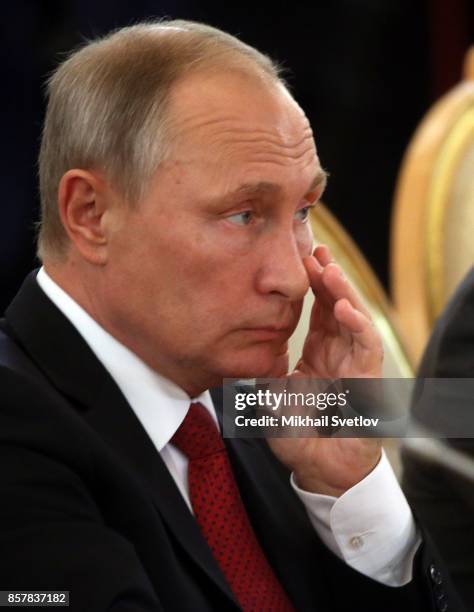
[327,230]
[432,242]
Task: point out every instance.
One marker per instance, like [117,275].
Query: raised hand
[342,342]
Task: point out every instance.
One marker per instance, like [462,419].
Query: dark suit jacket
[444,502]
[87,504]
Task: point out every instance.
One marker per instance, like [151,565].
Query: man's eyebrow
[265,186]
[320,180]
[257,187]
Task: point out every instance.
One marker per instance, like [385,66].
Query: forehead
[240,119]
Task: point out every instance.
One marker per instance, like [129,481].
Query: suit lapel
[70,365]
[116,422]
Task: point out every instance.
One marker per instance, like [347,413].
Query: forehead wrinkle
[261,147]
[262,137]
[220,126]
[273,156]
[256,133]
[196,122]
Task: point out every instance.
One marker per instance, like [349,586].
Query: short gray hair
[107,107]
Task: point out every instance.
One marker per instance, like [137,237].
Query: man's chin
[254,364]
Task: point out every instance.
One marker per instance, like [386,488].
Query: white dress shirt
[370,526]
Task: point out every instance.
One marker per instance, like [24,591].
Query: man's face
[205,278]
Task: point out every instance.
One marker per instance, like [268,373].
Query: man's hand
[342,342]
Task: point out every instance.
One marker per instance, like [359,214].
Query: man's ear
[84,201]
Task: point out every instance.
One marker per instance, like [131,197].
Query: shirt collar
[159,404]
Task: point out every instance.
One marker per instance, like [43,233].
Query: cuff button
[435,574]
[442,602]
[356,542]
[443,606]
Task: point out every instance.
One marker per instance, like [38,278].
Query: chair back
[432,243]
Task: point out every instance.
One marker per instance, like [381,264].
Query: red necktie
[222,517]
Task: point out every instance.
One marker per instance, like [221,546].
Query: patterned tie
[222,517]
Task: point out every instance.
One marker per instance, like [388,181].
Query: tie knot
[198,436]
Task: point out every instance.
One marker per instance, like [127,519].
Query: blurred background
[365,71]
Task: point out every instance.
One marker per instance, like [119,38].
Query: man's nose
[282,271]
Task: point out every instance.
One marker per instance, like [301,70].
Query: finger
[322,316]
[323,255]
[339,287]
[313,267]
[315,270]
[360,327]
[322,311]
[353,320]
[329,284]
[316,266]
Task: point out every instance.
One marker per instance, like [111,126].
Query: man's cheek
[304,240]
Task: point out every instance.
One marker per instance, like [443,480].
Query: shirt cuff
[370,526]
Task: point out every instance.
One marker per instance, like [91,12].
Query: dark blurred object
[442,500]
[360,69]
[451,32]
[31,34]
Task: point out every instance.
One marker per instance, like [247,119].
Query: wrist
[335,484]
[315,485]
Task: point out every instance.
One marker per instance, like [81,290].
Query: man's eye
[303,213]
[242,218]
